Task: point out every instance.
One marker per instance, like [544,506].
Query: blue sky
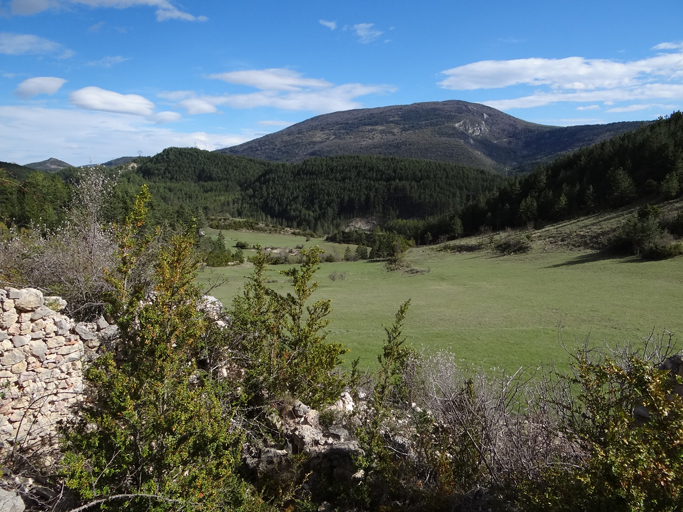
[92,80]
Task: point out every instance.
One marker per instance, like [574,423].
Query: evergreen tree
[154,433]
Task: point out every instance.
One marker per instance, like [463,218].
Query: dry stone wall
[42,353]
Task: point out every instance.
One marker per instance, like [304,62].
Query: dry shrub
[70,260]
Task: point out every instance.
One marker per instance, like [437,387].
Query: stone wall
[41,361]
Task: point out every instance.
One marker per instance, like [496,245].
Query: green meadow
[489,310]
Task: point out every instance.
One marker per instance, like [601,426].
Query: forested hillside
[317,194]
[320,191]
[646,163]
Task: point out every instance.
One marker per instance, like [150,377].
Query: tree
[362,252]
[282,338]
[670,186]
[153,433]
[528,210]
[630,462]
[621,188]
[348,254]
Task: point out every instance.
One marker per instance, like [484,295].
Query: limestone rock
[85,333]
[42,312]
[55,303]
[11,502]
[38,349]
[12,357]
[102,323]
[20,341]
[30,299]
[8,319]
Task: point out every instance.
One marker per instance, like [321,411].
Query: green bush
[155,433]
[636,235]
[662,251]
[620,462]
[282,339]
[512,243]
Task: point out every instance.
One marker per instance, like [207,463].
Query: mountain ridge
[453,131]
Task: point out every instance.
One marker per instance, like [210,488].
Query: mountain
[49,165]
[453,131]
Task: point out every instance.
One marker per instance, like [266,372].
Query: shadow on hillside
[587,258]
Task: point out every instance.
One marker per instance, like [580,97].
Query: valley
[490,310]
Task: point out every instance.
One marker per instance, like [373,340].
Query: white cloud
[277,79]
[165,117]
[165,10]
[276,123]
[329,24]
[366,32]
[94,29]
[94,98]
[669,46]
[198,106]
[176,95]
[574,73]
[76,135]
[26,7]
[23,44]
[331,99]
[636,108]
[575,79]
[540,99]
[39,85]
[279,88]
[589,107]
[108,62]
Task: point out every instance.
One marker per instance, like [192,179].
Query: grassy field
[494,311]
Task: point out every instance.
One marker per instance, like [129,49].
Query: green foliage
[39,199]
[153,433]
[283,339]
[621,189]
[628,464]
[606,175]
[528,210]
[381,468]
[362,252]
[649,212]
[216,254]
[512,242]
[670,185]
[637,235]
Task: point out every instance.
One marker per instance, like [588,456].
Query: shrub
[625,462]
[68,260]
[663,250]
[636,235]
[282,339]
[154,433]
[512,243]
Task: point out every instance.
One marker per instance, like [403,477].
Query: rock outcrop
[330,450]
